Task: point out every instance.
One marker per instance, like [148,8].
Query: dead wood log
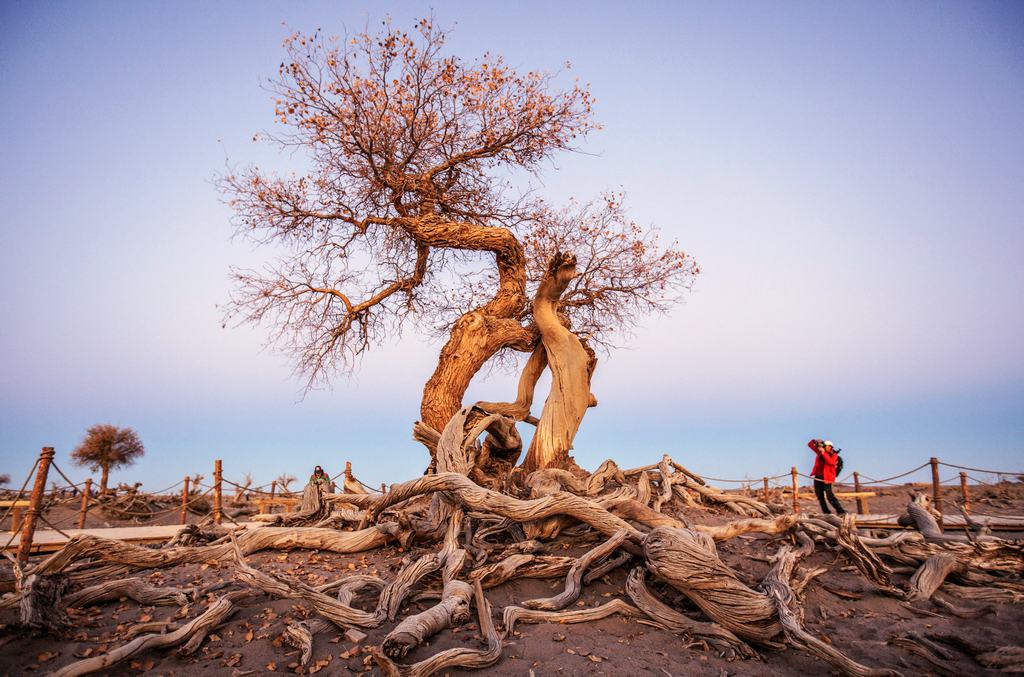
[930,575]
[40,602]
[608,565]
[666,484]
[776,585]
[688,561]
[743,505]
[300,634]
[1004,659]
[941,666]
[724,532]
[517,614]
[723,642]
[217,613]
[194,534]
[522,566]
[153,626]
[984,594]
[643,489]
[869,564]
[574,579]
[453,610]
[459,657]
[339,612]
[960,612]
[132,588]
[127,556]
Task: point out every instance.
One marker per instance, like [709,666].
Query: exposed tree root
[574,580]
[300,634]
[517,614]
[459,657]
[776,585]
[194,534]
[40,603]
[931,575]
[453,610]
[132,588]
[75,556]
[188,634]
[475,497]
[635,512]
[687,560]
[725,643]
[522,566]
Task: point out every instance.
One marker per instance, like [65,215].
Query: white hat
[828,443]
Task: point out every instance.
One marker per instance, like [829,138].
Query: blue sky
[848,176]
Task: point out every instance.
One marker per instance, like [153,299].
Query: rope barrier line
[21,492]
[994,472]
[59,531]
[174,508]
[66,478]
[894,477]
[164,491]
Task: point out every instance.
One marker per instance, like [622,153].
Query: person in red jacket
[824,474]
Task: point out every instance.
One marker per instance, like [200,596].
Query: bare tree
[407,214]
[283,480]
[108,447]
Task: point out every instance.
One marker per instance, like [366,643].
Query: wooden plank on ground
[48,540]
[1003,523]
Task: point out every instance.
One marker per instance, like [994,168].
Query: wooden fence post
[273,490]
[217,514]
[184,501]
[862,507]
[964,492]
[936,496]
[766,495]
[85,503]
[28,527]
[796,492]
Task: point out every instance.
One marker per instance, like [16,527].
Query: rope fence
[784,483]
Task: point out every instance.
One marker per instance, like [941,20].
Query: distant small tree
[283,480]
[106,447]
[5,479]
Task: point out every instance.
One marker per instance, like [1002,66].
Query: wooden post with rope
[217,512]
[85,503]
[273,491]
[796,492]
[936,495]
[963,491]
[766,494]
[28,526]
[862,508]
[183,519]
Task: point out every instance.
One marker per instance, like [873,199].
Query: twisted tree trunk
[571,367]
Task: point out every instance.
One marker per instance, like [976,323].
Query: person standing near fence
[824,474]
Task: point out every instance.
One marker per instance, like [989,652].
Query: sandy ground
[840,606]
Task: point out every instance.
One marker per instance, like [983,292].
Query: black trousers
[823,491]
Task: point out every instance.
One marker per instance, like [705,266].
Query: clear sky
[849,176]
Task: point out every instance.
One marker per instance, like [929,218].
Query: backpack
[839,463]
